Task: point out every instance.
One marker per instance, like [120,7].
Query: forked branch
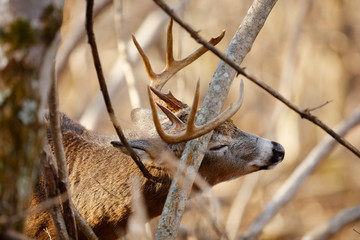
[185,132]
[303,113]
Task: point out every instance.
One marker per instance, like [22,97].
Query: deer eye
[218,147]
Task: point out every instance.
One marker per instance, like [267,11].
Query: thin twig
[308,110]
[303,113]
[103,87]
[292,184]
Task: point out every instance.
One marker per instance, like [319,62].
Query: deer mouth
[270,166]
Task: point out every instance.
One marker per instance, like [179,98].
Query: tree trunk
[27,46]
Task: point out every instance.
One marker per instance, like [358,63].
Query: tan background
[307,50]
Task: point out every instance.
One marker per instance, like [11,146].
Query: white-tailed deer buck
[100,169]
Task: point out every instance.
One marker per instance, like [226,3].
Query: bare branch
[219,87]
[51,180]
[62,173]
[303,113]
[333,225]
[84,227]
[308,110]
[289,188]
[103,87]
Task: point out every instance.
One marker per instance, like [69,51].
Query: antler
[182,132]
[172,65]
[186,132]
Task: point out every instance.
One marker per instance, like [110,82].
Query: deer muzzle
[278,152]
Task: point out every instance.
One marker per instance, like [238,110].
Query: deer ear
[146,148]
[139,144]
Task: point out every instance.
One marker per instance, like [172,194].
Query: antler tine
[192,131]
[220,119]
[145,59]
[198,52]
[172,103]
[191,119]
[157,123]
[179,125]
[169,45]
[172,66]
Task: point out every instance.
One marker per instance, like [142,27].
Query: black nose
[278,152]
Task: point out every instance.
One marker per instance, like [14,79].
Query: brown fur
[100,174]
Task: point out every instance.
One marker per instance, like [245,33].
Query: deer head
[231,151]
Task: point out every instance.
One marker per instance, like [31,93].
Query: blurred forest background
[308,50]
